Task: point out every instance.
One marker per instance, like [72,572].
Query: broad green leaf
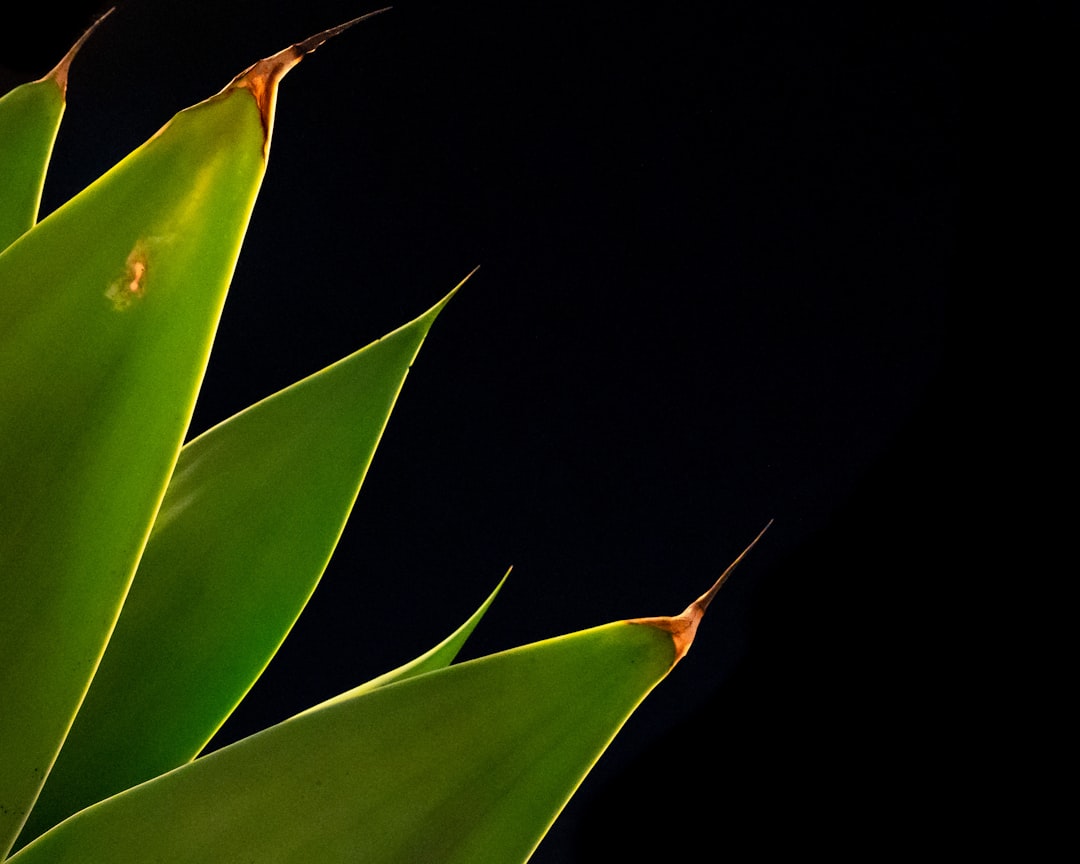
[107,310]
[248,524]
[29,119]
[470,763]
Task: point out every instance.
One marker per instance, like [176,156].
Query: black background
[717,286]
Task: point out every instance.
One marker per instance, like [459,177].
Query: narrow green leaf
[248,524]
[439,657]
[111,301]
[464,764]
[29,119]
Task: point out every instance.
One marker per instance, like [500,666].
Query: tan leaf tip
[262,78]
[683,627]
[59,73]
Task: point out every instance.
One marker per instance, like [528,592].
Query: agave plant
[146,582]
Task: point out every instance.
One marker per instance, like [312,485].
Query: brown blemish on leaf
[262,78]
[683,627]
[59,74]
[130,287]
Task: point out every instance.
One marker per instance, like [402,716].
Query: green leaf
[29,119]
[250,519]
[107,310]
[469,763]
[439,657]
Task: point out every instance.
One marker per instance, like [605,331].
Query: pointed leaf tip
[313,42]
[59,73]
[683,628]
[705,599]
[262,78]
[438,307]
[468,276]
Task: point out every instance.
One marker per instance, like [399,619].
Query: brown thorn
[59,73]
[313,42]
[262,78]
[683,627]
[705,599]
